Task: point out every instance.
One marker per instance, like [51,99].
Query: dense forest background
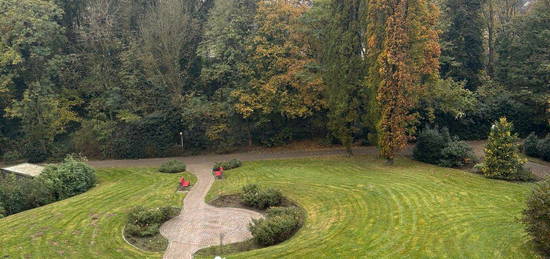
[123,78]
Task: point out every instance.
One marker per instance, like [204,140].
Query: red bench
[219,173]
[184,183]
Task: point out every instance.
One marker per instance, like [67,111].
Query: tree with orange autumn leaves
[404,50]
[280,80]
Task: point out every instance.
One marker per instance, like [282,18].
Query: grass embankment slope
[358,207]
[89,225]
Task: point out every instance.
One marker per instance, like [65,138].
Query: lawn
[358,207]
[89,225]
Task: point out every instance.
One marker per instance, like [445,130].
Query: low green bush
[11,157]
[2,211]
[456,154]
[259,198]
[279,225]
[531,145]
[436,146]
[69,178]
[295,212]
[534,147]
[537,216]
[544,148]
[22,193]
[429,144]
[172,166]
[227,165]
[144,222]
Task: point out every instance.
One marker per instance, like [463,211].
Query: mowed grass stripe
[358,207]
[89,225]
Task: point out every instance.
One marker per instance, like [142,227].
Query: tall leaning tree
[407,61]
[462,56]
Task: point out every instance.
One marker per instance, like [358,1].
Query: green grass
[360,208]
[89,225]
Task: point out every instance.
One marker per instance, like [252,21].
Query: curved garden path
[199,225]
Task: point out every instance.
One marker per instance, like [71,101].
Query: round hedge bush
[143,222]
[227,165]
[544,148]
[259,198]
[456,154]
[69,178]
[279,225]
[531,145]
[537,216]
[172,166]
[429,144]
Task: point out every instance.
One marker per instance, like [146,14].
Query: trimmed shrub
[256,197]
[544,148]
[456,154]
[172,166]
[429,144]
[22,193]
[11,157]
[144,222]
[227,165]
[280,225]
[537,216]
[69,178]
[531,145]
[295,212]
[2,211]
[502,158]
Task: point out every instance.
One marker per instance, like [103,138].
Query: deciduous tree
[407,61]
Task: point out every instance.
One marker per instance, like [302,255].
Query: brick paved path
[199,225]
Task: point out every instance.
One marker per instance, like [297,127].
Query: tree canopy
[132,79]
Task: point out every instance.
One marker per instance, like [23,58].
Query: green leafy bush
[531,145]
[295,212]
[456,154]
[537,216]
[544,148]
[56,182]
[430,142]
[69,178]
[22,193]
[227,165]
[502,158]
[144,222]
[3,211]
[279,225]
[11,157]
[172,166]
[256,197]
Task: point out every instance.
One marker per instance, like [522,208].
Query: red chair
[218,174]
[184,183]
